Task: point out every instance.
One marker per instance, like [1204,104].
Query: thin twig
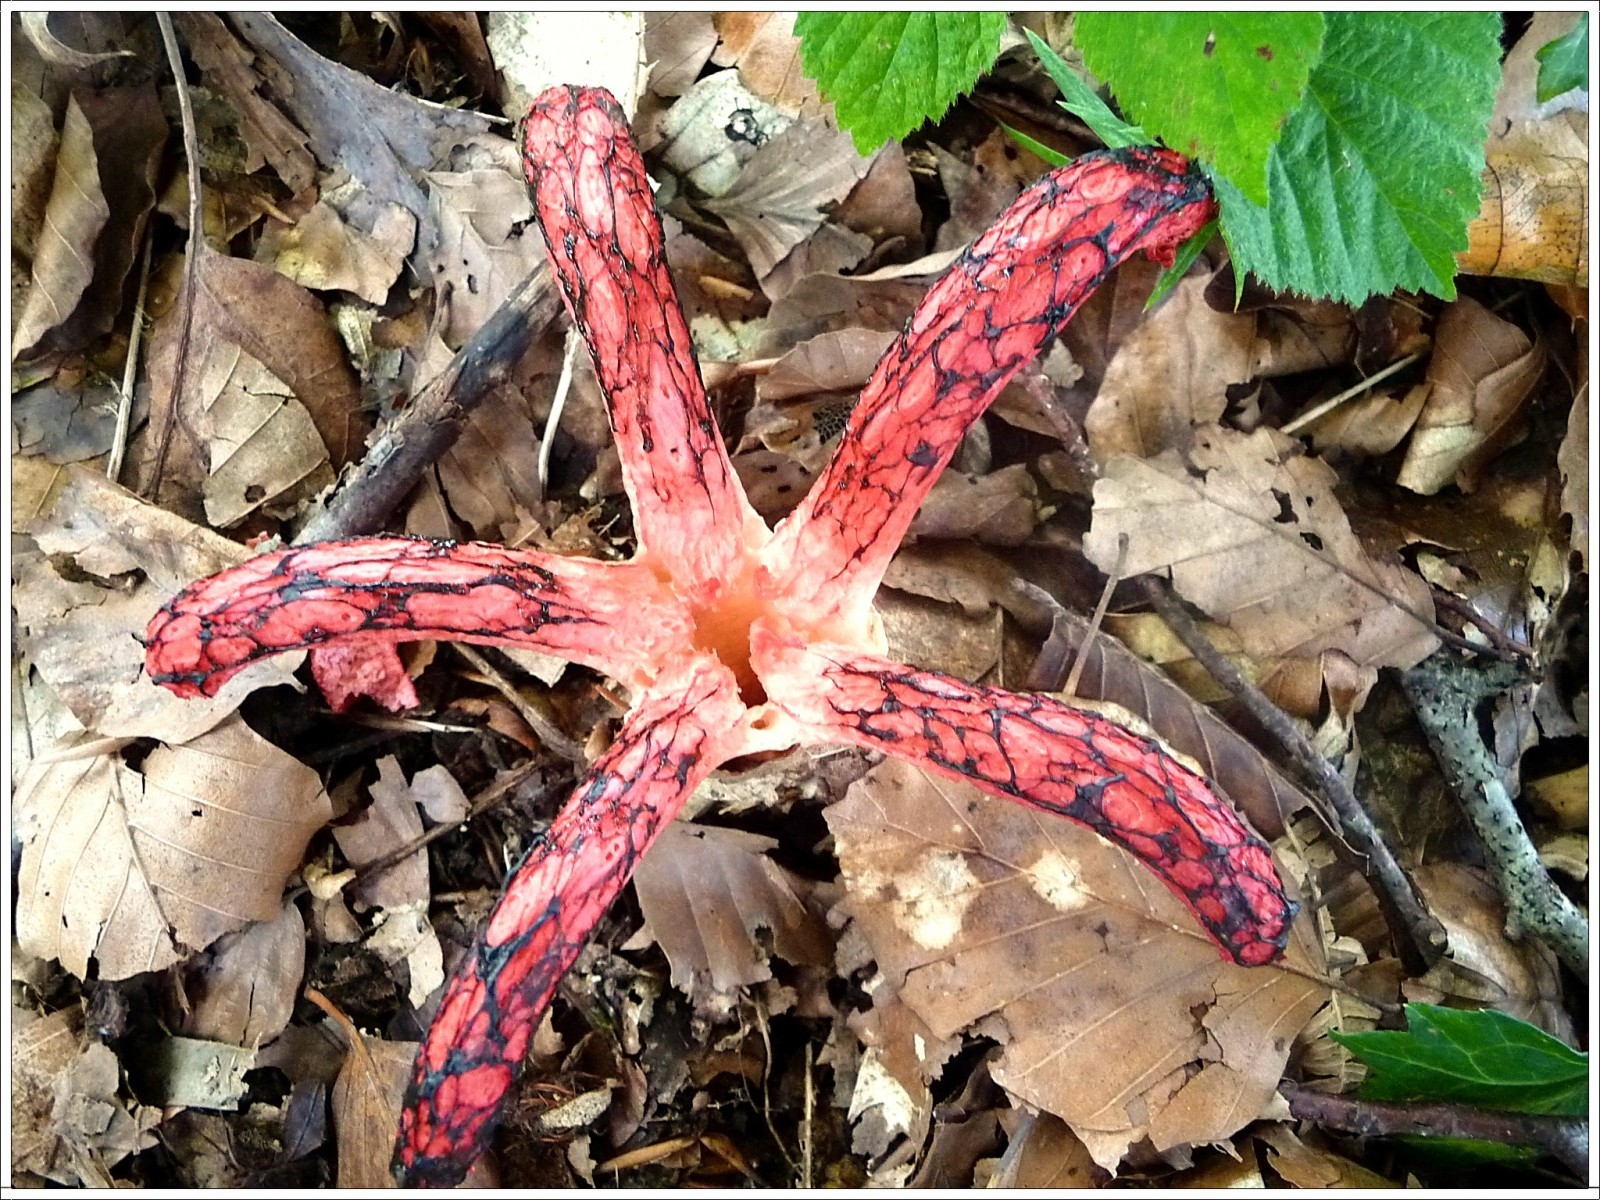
[1349,393]
[1445,694]
[552,737]
[119,438]
[1503,643]
[191,266]
[1565,1139]
[1070,688]
[1419,931]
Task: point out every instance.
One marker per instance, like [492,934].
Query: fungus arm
[982,322]
[1055,758]
[616,617]
[605,242]
[551,904]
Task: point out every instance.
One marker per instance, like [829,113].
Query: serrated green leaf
[1564,63]
[1213,85]
[888,72]
[1078,98]
[1378,171]
[1483,1058]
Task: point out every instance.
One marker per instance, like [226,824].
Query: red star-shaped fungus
[737,639]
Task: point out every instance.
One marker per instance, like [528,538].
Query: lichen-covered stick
[737,639]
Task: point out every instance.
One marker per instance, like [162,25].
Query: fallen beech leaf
[1483,371]
[1534,218]
[244,990]
[830,250]
[1573,460]
[1254,535]
[63,265]
[840,361]
[43,1050]
[1000,508]
[93,1122]
[1305,1166]
[34,142]
[1170,376]
[677,45]
[137,868]
[491,474]
[366,1102]
[1369,425]
[778,200]
[884,204]
[1049,1155]
[486,244]
[764,47]
[83,637]
[264,451]
[706,892]
[980,189]
[227,65]
[1111,1011]
[388,823]
[939,637]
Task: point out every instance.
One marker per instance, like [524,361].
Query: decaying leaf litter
[891,1036]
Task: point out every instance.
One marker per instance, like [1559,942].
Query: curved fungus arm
[983,321]
[598,215]
[1056,758]
[551,903]
[615,617]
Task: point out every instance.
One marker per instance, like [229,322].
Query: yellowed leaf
[1113,1009]
[139,867]
[325,252]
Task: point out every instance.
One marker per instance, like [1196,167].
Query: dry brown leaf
[1483,372]
[138,868]
[981,185]
[279,324]
[831,250]
[383,138]
[1170,375]
[884,204]
[34,142]
[325,251]
[1044,1153]
[1534,218]
[63,264]
[778,200]
[1253,534]
[764,47]
[68,1122]
[677,45]
[71,417]
[390,822]
[881,300]
[263,450]
[1573,460]
[831,362]
[940,637]
[229,67]
[999,509]
[491,474]
[366,1102]
[487,241]
[243,991]
[705,892]
[1307,1166]
[1113,1010]
[1369,425]
[82,636]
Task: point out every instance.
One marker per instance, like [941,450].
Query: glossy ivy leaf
[1564,63]
[1378,171]
[888,72]
[1078,98]
[1214,85]
[1484,1058]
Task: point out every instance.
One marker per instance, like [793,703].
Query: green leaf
[1483,1058]
[1372,184]
[1037,148]
[1181,262]
[1564,63]
[888,72]
[1214,85]
[1078,98]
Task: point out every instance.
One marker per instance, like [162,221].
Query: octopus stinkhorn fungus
[736,638]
